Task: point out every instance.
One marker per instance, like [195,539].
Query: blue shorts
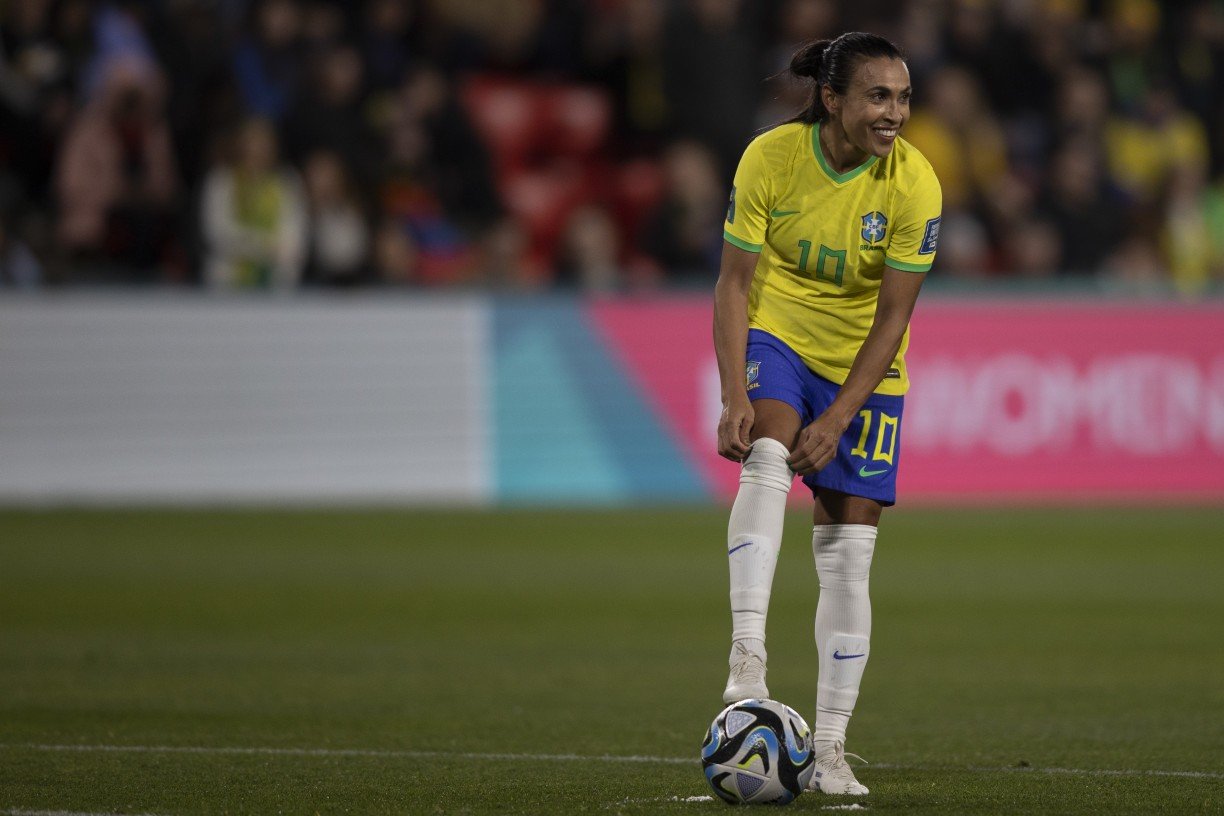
[868,453]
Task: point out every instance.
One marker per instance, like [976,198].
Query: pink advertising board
[1016,402]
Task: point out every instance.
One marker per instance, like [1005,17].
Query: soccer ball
[758,752]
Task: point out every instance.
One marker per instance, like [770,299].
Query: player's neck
[841,155]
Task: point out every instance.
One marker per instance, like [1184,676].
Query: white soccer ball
[758,752]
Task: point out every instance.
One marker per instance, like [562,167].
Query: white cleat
[747,678]
[833,774]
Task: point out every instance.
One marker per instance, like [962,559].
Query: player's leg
[754,537]
[775,383]
[843,542]
[850,493]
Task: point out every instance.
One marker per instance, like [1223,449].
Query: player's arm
[817,443]
[744,237]
[730,341]
[911,251]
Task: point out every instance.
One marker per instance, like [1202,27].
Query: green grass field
[206,662]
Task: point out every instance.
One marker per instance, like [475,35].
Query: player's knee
[843,551]
[766,465]
[836,508]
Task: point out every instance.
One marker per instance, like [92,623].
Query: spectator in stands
[1186,234]
[339,234]
[625,55]
[119,36]
[204,99]
[329,115]
[458,163]
[1213,215]
[385,42]
[324,26]
[684,233]
[1081,105]
[437,183]
[712,75]
[1034,249]
[35,72]
[1148,147]
[964,141]
[43,46]
[980,42]
[395,257]
[269,62]
[1198,45]
[1079,201]
[1011,205]
[19,268]
[589,257]
[541,37]
[504,258]
[28,54]
[74,33]
[964,247]
[1132,60]
[116,181]
[253,216]
[1136,263]
[961,138]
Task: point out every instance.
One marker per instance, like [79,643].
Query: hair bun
[809,59]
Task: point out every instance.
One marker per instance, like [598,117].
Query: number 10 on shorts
[885,436]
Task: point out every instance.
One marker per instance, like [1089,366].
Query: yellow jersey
[824,239]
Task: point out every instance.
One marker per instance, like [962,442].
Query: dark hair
[832,63]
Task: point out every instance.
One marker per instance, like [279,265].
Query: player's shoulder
[778,146]
[910,169]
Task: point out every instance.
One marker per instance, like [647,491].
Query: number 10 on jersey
[886,434]
[830,263]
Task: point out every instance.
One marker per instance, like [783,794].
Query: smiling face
[867,118]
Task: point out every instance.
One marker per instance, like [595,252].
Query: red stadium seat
[542,201]
[577,119]
[638,188]
[527,123]
[506,114]
[547,144]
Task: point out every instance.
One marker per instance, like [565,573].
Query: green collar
[840,178]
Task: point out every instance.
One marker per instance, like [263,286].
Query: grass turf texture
[1006,644]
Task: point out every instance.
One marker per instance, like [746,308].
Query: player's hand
[734,426]
[817,445]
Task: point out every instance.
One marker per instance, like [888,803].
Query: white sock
[754,536]
[843,622]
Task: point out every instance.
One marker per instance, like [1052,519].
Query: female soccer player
[832,223]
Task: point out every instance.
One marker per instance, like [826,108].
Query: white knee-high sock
[843,622]
[754,536]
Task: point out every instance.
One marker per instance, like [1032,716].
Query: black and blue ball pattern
[758,752]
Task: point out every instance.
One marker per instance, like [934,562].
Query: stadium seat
[547,142]
[506,114]
[542,201]
[638,187]
[574,120]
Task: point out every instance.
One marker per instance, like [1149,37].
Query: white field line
[1102,772]
[659,799]
[652,800]
[516,757]
[347,752]
[20,812]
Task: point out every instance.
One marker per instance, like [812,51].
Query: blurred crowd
[558,143]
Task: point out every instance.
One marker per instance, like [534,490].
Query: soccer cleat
[833,774]
[747,678]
